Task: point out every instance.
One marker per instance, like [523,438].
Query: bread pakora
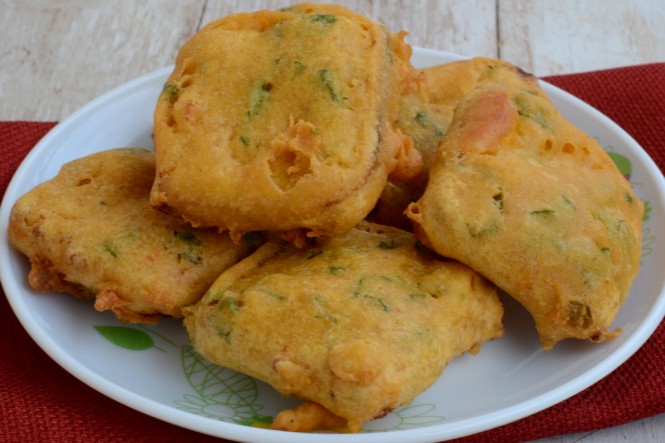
[282,120]
[424,115]
[356,325]
[91,231]
[530,201]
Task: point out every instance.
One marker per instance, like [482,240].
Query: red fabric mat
[42,402]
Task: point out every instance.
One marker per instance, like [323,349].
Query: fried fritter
[424,114]
[358,324]
[530,201]
[282,120]
[91,231]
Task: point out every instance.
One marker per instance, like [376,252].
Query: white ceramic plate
[153,369]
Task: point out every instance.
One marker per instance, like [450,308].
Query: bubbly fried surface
[535,205]
[91,231]
[282,120]
[358,324]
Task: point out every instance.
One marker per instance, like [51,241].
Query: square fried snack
[426,108]
[90,231]
[282,120]
[527,199]
[357,325]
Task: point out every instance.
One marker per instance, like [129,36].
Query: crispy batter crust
[91,232]
[358,324]
[425,112]
[534,204]
[282,120]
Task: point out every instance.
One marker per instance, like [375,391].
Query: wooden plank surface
[56,55]
[59,54]
[564,36]
[466,27]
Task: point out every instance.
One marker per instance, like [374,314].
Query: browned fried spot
[294,154]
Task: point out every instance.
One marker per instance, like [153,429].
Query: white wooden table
[56,55]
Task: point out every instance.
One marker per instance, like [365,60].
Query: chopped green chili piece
[545,212]
[218,295]
[171,90]
[108,248]
[312,254]
[327,81]
[336,270]
[360,289]
[423,120]
[568,201]
[226,333]
[187,236]
[528,110]
[420,118]
[477,232]
[233,304]
[257,99]
[613,225]
[326,19]
[388,245]
[383,304]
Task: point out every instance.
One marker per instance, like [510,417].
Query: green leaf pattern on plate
[406,417]
[223,394]
[131,339]
[220,393]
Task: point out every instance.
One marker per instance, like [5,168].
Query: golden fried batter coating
[358,324]
[424,114]
[281,120]
[308,417]
[534,204]
[447,84]
[91,231]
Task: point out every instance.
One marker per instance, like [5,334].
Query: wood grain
[83,49]
[565,36]
[464,27]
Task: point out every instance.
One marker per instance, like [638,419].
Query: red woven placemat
[41,402]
